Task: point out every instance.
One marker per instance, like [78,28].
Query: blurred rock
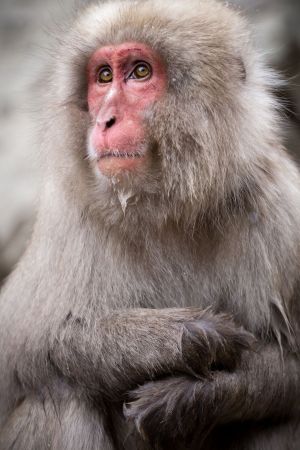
[277,32]
[23,44]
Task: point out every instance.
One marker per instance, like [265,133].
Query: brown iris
[141,71]
[105,75]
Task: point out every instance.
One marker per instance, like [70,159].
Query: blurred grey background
[24,39]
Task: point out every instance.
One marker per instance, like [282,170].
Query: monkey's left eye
[105,75]
[141,71]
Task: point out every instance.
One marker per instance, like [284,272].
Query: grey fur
[115,326]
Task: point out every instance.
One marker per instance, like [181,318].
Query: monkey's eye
[141,71]
[105,75]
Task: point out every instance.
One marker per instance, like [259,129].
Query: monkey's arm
[113,353]
[265,385]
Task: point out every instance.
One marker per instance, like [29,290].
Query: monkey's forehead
[175,23]
[201,42]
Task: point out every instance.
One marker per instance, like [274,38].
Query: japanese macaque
[157,304]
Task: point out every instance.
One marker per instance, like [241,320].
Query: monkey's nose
[109,123]
[104,124]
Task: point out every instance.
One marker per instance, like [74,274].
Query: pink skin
[124,99]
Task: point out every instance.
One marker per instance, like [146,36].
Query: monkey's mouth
[113,162]
[118,154]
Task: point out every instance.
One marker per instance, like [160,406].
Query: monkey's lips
[111,162]
[118,154]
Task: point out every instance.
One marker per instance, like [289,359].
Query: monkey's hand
[125,348]
[263,386]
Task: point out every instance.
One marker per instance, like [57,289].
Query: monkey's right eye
[105,75]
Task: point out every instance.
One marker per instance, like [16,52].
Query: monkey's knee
[257,436]
[50,423]
[274,436]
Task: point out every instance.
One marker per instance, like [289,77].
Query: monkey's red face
[123,83]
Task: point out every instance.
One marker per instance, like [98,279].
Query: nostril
[110,122]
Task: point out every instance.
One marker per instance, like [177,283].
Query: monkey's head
[163,102]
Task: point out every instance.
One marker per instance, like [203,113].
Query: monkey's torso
[157,304]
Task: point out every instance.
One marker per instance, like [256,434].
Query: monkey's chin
[111,165]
